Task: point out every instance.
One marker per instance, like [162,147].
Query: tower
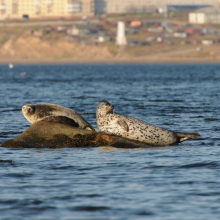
[121,38]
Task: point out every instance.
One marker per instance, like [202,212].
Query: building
[132,6]
[205,16]
[38,9]
[187,3]
[121,38]
[100,6]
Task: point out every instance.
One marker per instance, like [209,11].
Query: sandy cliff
[28,48]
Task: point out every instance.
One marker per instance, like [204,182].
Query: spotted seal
[39,112]
[135,129]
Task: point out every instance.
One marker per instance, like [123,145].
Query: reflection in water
[110,148]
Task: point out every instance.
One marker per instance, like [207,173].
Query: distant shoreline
[110,61]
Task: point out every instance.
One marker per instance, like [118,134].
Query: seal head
[104,108]
[30,113]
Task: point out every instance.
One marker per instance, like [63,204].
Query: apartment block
[38,9]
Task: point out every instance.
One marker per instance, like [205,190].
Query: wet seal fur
[135,129]
[50,112]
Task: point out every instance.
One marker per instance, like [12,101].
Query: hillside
[18,44]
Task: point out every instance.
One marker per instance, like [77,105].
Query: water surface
[175,182]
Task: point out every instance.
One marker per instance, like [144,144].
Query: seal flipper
[88,128]
[123,125]
[186,136]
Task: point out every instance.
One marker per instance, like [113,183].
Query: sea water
[181,181]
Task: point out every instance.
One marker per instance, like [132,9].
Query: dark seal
[39,112]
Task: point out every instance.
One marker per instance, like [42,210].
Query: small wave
[6,161]
[43,208]
[144,213]
[62,167]
[12,110]
[211,119]
[8,201]
[165,100]
[90,208]
[193,165]
[196,116]
[216,193]
[77,97]
[186,182]
[5,134]
[153,167]
[19,175]
[62,197]
[92,195]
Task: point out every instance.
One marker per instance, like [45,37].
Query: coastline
[133,60]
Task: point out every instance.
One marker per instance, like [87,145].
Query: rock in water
[56,134]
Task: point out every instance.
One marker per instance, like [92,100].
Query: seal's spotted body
[135,129]
[39,112]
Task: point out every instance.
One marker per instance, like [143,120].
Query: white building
[205,16]
[126,6]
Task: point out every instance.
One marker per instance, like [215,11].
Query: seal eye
[29,110]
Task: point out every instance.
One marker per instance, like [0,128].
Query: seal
[135,129]
[50,112]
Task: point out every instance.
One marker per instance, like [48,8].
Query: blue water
[174,182]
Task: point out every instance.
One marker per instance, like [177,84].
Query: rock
[46,134]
